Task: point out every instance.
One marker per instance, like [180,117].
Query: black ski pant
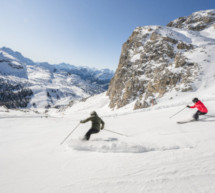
[90,132]
[196,115]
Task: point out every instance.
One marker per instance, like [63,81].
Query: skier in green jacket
[97,124]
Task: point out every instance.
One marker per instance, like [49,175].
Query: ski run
[158,155]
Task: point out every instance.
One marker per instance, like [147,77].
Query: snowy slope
[158,156]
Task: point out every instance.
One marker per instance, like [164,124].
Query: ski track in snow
[114,145]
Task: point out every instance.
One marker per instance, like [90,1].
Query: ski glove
[188,106]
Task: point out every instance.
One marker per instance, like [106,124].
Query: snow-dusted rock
[155,60]
[196,21]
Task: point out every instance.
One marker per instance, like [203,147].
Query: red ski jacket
[200,106]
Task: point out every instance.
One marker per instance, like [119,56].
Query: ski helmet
[93,113]
[195,100]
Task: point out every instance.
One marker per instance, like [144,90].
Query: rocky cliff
[156,60]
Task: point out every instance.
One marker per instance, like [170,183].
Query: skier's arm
[103,124]
[86,120]
[192,107]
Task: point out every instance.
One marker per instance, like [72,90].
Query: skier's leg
[196,115]
[201,113]
[90,132]
[93,131]
[87,135]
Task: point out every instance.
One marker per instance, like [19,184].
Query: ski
[209,115]
[188,121]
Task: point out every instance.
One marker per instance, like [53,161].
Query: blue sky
[83,32]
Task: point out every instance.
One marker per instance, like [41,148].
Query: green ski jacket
[96,122]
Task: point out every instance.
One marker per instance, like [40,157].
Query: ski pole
[69,134]
[177,112]
[116,132]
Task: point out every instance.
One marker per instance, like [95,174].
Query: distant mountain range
[24,83]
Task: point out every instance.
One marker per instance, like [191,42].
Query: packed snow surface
[156,155]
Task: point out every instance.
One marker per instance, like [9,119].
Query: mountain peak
[197,21]
[17,55]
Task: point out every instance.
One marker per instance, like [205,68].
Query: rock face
[154,61]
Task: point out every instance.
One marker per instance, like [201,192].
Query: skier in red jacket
[202,110]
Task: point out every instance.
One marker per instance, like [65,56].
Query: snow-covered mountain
[45,85]
[159,61]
